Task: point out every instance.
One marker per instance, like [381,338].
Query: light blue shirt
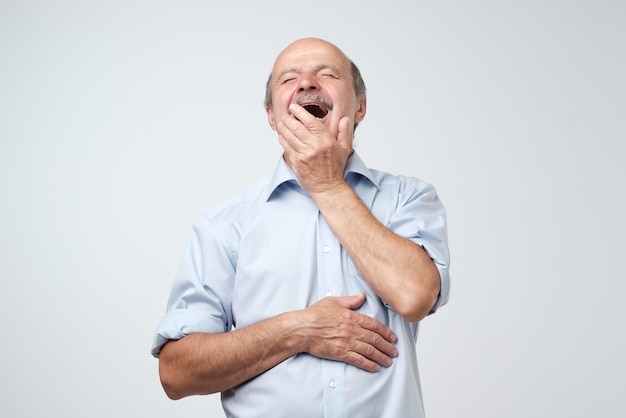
[269,251]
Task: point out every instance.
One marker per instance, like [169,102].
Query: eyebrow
[317,69]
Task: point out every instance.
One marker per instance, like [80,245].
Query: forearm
[398,270]
[207,363]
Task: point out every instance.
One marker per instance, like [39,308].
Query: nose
[308,82]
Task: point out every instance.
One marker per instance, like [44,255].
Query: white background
[122,121]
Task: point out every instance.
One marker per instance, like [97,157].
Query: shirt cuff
[179,323]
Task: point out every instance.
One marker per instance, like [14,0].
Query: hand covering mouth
[315,105]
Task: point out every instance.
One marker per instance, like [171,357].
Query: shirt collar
[284,174]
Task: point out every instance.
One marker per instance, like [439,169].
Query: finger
[301,114]
[367,322]
[284,143]
[367,357]
[301,123]
[288,136]
[361,362]
[377,327]
[373,354]
[301,118]
[379,344]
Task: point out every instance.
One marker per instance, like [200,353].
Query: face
[314,72]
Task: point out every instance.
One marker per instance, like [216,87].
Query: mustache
[314,98]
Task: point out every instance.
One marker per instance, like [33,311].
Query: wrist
[293,331]
[332,195]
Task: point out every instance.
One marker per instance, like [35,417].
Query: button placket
[330,283]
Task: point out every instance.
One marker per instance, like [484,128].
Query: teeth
[316,110]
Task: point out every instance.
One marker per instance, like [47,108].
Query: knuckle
[376,339]
[355,359]
[369,351]
[348,316]
[370,323]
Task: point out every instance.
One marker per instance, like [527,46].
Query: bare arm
[398,270]
[208,363]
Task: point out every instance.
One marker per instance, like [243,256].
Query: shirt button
[328,293]
[333,384]
[326,249]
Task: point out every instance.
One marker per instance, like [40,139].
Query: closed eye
[328,71]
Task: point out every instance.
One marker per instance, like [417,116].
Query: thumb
[344,133]
[352,301]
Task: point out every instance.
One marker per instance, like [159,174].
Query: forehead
[310,54]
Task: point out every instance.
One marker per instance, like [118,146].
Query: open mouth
[316,110]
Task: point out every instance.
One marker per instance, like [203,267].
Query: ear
[360,110]
[270,118]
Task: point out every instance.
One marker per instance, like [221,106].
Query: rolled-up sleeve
[201,294]
[421,217]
